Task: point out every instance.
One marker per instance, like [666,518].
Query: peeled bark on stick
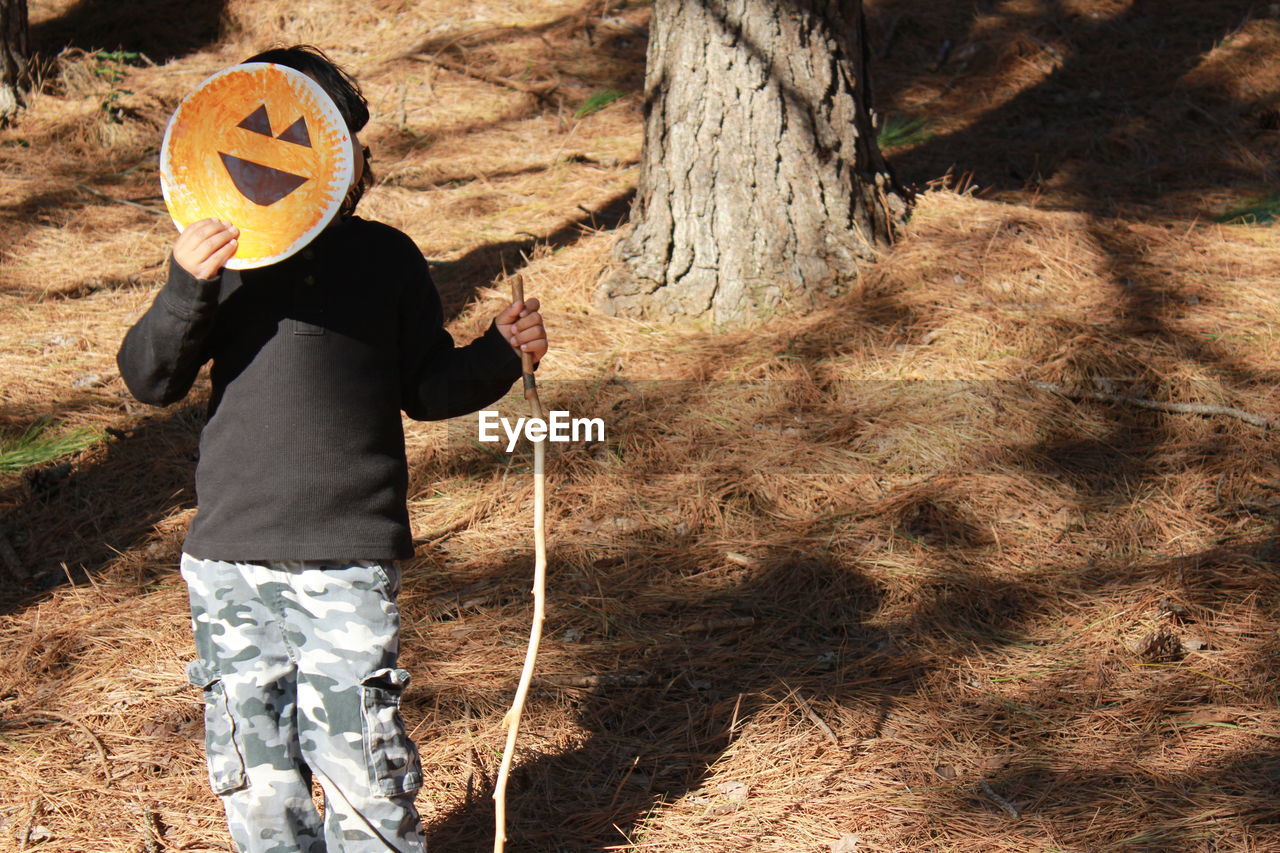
[761,184]
[512,719]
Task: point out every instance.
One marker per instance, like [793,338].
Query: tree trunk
[761,186]
[15,57]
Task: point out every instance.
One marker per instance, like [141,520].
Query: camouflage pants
[297,661]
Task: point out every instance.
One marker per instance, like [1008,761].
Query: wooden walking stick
[512,719]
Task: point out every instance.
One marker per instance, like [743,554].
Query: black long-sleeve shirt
[314,358]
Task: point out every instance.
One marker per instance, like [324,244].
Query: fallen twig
[102,750]
[150,829]
[887,44]
[591,681]
[944,52]
[1006,806]
[717,623]
[542,93]
[155,211]
[32,811]
[813,715]
[1050,50]
[463,598]
[9,558]
[1158,405]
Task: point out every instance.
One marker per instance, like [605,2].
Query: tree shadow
[599,793]
[711,662]
[159,29]
[599,24]
[1115,120]
[653,742]
[691,663]
[67,520]
[458,280]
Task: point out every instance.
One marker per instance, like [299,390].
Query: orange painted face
[264,148]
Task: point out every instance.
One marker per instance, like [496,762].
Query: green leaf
[37,445]
[1262,210]
[598,100]
[901,130]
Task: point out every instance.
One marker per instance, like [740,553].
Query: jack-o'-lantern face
[264,148]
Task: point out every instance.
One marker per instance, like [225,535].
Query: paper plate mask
[263,147]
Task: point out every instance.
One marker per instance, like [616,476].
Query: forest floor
[848,580]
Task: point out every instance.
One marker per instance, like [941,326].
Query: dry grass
[839,574]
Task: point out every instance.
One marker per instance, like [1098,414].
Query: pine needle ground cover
[842,581]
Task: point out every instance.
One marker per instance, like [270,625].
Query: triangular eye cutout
[257,121]
[296,133]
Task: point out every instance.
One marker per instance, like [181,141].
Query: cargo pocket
[388,574]
[394,766]
[226,764]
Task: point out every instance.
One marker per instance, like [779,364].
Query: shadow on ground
[694,666]
[159,29]
[68,520]
[458,280]
[677,669]
[1115,118]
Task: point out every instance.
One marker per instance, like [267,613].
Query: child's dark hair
[341,88]
[338,84]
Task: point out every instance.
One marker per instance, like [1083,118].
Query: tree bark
[761,185]
[15,57]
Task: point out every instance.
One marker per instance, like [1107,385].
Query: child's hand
[521,324]
[203,247]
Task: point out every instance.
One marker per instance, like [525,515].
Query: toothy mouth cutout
[261,184]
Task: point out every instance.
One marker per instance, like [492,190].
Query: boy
[301,487]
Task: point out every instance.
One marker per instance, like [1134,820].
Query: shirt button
[308,254]
[308,279]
